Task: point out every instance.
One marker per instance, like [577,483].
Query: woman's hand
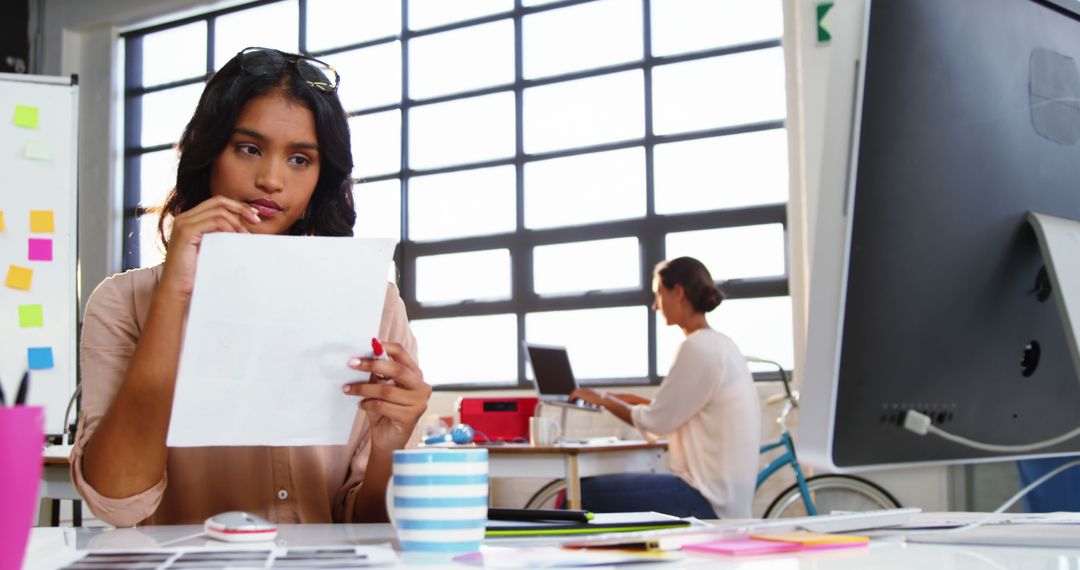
[217,214]
[395,397]
[609,402]
[591,396]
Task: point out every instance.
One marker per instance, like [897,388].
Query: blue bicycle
[807,496]
[820,494]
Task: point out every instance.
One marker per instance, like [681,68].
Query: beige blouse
[314,484]
[707,407]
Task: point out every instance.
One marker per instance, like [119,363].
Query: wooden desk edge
[572,449]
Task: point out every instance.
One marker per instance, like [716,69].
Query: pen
[377,348]
[20,396]
[2,402]
[505,514]
[380,354]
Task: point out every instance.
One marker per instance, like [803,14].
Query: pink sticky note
[21,434]
[742,547]
[39,249]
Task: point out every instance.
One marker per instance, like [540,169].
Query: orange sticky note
[1,220]
[41,221]
[19,277]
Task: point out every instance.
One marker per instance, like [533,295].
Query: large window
[535,160]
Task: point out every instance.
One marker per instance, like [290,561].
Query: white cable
[984,559]
[181,539]
[920,423]
[67,416]
[1004,506]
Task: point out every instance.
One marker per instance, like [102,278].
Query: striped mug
[438,499]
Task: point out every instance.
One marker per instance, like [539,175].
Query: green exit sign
[824,22]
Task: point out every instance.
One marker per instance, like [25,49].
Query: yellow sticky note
[37,150]
[807,538]
[1,220]
[19,277]
[26,116]
[41,221]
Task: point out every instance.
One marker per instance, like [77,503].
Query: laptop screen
[551,368]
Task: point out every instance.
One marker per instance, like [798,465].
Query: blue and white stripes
[440,499]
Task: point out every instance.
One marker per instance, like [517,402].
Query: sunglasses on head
[268,61]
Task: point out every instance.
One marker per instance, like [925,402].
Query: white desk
[573,461]
[51,548]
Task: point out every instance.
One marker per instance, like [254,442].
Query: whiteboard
[39,263]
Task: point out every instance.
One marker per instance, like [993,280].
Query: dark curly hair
[695,279]
[330,211]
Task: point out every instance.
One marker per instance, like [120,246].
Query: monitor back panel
[953,151]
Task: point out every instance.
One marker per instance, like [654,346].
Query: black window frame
[650,229]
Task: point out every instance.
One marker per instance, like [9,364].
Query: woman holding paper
[707,407]
[267,151]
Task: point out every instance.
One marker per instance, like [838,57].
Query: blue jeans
[629,492]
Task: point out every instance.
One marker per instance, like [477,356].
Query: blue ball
[462,433]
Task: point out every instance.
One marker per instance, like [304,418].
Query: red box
[498,419]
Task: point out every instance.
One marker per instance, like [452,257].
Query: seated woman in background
[267,151]
[707,407]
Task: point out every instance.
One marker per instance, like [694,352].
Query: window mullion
[520,250]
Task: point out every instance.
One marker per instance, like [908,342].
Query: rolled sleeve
[125,512]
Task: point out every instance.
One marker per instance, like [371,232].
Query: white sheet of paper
[272,324]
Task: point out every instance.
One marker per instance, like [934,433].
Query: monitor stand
[1059,240]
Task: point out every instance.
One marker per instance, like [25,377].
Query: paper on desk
[273,322]
[553,557]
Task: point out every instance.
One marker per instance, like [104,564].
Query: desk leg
[573,482]
[45,513]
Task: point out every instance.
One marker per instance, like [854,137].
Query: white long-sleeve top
[707,407]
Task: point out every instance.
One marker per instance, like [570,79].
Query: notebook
[554,379]
[601,523]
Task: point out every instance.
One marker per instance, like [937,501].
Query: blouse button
[282,494]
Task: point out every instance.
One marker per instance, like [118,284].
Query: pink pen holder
[22,439]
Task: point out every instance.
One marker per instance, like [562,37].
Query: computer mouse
[238,526]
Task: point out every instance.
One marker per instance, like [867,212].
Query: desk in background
[56,486]
[571,462]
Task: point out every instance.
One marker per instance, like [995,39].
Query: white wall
[81,37]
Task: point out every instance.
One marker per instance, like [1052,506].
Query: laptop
[553,377]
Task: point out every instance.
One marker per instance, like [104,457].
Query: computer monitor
[927,291]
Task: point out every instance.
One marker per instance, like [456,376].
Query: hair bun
[711,298]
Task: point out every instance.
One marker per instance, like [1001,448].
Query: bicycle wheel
[549,496]
[832,493]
